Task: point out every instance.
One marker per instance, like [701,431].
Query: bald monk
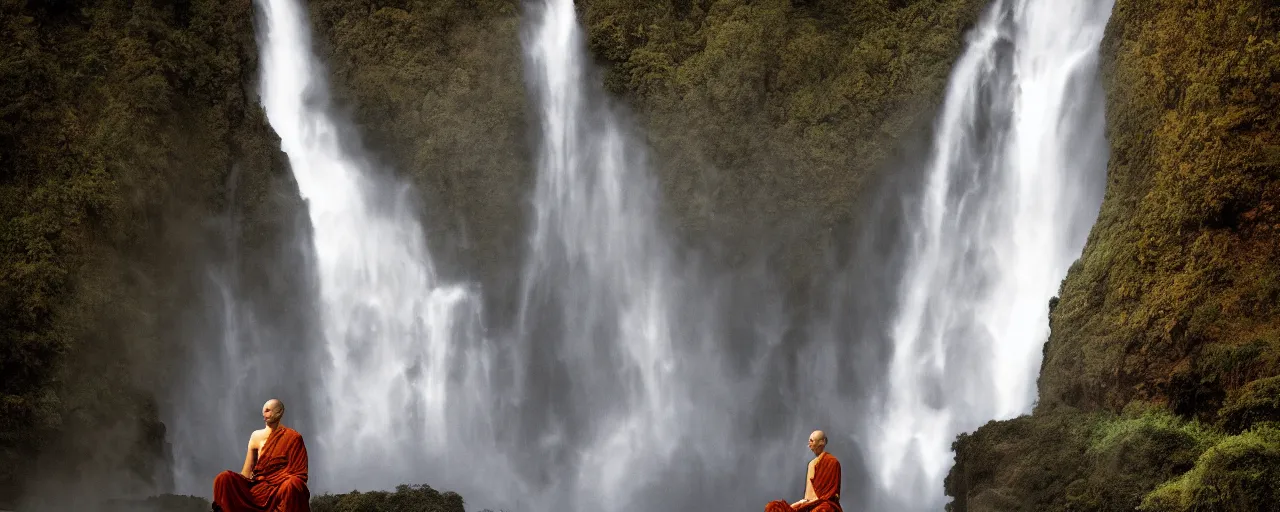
[274,477]
[821,482]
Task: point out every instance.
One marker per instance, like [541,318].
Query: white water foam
[1014,182]
[404,355]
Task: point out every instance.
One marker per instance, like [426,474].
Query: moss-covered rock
[1239,473]
[1256,403]
[1165,342]
[1066,459]
[405,497]
[1021,464]
[1174,299]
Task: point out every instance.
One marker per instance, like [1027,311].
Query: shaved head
[272,411]
[818,442]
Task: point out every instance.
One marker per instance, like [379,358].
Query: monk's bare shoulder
[257,438]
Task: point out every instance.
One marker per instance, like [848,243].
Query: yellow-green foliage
[1027,463]
[120,122]
[1170,318]
[1065,459]
[1257,402]
[1175,297]
[1239,473]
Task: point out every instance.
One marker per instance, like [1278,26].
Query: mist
[612,356]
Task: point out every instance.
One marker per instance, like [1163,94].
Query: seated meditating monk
[821,483]
[274,477]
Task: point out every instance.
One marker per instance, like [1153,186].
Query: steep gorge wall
[133,156]
[1163,365]
[766,120]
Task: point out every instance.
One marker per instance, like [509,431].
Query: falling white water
[1014,181]
[393,334]
[599,270]
[594,399]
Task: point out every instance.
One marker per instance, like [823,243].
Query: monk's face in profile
[817,442]
[271,412]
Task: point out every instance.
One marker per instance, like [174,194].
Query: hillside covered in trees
[134,155]
[133,152]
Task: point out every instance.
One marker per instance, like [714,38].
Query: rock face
[404,497]
[766,119]
[133,153]
[1160,374]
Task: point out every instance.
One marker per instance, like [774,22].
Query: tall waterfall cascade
[400,346]
[613,386]
[598,291]
[1012,186]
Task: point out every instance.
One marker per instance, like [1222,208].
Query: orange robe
[279,481]
[826,485]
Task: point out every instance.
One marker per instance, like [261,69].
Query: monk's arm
[247,470]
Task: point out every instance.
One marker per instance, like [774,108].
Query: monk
[274,477]
[821,483]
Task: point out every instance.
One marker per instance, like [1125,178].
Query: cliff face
[1162,366]
[129,142]
[135,156]
[765,119]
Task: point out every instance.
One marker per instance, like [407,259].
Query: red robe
[826,484]
[279,481]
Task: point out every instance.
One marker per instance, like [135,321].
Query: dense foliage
[435,89]
[1175,297]
[124,127]
[134,155]
[763,112]
[1145,458]
[405,497]
[761,115]
[1173,307]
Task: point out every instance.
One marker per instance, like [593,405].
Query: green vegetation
[1144,458]
[127,125]
[776,107]
[1161,378]
[1239,473]
[405,497]
[762,116]
[121,125]
[436,89]
[1175,297]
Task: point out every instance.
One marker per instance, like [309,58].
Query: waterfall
[403,361]
[624,381]
[1013,183]
[596,318]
